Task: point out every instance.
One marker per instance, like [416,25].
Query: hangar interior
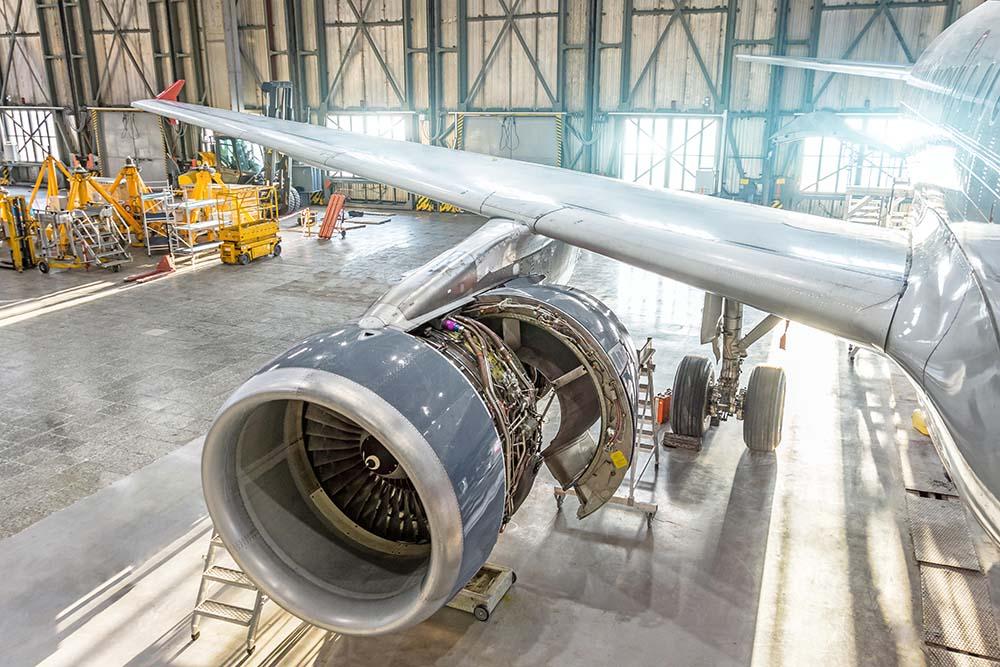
[812,553]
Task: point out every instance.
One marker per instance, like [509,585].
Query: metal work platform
[225,577]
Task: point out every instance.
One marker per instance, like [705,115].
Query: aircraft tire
[693,384]
[764,408]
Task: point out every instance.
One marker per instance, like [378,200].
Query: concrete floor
[801,557]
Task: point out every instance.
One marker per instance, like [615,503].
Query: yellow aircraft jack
[86,191]
[200,180]
[17,232]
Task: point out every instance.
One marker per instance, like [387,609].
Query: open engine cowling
[361,478]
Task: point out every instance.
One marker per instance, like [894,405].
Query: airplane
[362,477]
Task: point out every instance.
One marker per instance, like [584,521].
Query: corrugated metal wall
[583,58]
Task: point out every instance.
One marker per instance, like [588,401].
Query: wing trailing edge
[821,272]
[854,67]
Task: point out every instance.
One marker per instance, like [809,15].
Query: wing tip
[171,92]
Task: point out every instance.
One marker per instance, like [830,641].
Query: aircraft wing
[842,278]
[856,67]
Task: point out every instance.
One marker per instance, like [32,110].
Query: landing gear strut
[699,401]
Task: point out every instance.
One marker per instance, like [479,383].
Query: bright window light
[27,135]
[668,151]
[829,166]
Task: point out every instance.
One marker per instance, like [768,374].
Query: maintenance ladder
[229,577]
[99,236]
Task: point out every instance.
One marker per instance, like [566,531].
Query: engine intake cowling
[358,479]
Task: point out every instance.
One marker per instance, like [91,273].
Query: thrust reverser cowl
[429,453]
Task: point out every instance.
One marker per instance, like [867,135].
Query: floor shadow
[733,579]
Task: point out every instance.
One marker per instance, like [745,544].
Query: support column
[234,64]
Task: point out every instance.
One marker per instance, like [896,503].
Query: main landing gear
[700,400]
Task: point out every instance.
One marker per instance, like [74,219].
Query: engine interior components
[584,360]
[362,478]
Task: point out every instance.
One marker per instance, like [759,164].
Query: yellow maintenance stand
[124,195]
[253,231]
[17,233]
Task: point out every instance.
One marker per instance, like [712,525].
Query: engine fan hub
[379,460]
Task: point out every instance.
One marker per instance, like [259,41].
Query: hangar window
[385,125]
[27,135]
[829,165]
[668,151]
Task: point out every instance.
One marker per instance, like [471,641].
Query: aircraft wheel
[693,384]
[764,408]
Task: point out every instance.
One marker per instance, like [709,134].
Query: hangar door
[530,137]
[123,133]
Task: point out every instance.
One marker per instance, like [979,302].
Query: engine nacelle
[361,478]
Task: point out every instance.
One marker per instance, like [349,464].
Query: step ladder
[98,237]
[647,437]
[223,578]
[865,210]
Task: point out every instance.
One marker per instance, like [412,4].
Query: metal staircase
[223,579]
[99,239]
[865,210]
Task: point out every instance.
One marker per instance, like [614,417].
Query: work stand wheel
[195,634]
[559,502]
[513,577]
[43,267]
[692,391]
[481,613]
[243,259]
[276,250]
[764,408]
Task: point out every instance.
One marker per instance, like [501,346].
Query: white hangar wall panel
[365,54]
[263,38]
[213,39]
[512,63]
[650,56]
[123,49]
[867,34]
[664,67]
[22,61]
[420,56]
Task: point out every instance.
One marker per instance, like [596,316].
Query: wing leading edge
[856,67]
[810,269]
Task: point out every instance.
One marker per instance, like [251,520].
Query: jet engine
[362,478]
